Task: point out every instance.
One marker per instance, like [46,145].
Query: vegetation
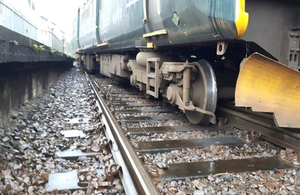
[38,48]
[54,51]
[14,42]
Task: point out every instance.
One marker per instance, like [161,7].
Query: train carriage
[195,52]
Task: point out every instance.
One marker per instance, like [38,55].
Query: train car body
[120,25]
[189,52]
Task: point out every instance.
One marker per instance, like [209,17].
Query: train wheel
[203,93]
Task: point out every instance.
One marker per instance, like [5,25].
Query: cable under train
[194,52]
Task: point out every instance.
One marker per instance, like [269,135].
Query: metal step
[152,75]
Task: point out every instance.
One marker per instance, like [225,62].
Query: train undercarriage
[195,84]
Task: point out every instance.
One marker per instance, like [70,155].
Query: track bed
[56,145]
[192,159]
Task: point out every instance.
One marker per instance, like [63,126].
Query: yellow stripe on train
[241,18]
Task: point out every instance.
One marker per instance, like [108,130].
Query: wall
[21,82]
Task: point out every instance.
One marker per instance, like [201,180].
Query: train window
[295,57]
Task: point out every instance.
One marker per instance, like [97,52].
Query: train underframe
[185,76]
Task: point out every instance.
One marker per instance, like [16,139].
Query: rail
[135,178]
[282,137]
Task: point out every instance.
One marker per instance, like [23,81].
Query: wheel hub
[203,93]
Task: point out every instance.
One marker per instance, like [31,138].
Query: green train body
[122,24]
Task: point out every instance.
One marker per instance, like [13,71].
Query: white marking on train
[130,3]
[158,6]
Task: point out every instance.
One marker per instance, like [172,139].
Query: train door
[154,17]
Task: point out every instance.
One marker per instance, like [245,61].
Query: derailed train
[195,52]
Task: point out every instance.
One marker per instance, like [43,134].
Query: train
[195,52]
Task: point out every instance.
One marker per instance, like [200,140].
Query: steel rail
[261,119]
[269,133]
[137,174]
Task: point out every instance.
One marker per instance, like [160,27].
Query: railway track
[168,155]
[57,145]
[262,124]
[134,177]
[94,135]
